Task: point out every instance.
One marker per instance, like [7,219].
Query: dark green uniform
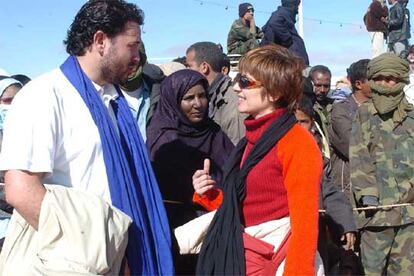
[382,168]
[240,40]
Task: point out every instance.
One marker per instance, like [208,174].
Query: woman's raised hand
[202,181]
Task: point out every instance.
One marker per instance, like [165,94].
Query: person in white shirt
[72,127]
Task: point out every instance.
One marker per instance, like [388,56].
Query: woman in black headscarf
[179,138]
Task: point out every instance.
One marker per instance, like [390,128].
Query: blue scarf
[132,183]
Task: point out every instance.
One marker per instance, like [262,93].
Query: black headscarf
[177,146]
[222,252]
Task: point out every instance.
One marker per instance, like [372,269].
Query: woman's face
[194,104]
[253,98]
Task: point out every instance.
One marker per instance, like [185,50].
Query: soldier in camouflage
[382,170]
[244,34]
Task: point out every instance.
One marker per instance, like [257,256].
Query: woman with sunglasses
[268,219]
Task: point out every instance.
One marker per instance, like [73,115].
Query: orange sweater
[301,161]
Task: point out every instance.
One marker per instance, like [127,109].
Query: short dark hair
[181,60]
[320,69]
[108,16]
[358,71]
[207,52]
[225,62]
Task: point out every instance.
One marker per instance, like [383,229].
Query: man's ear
[99,42]
[358,84]
[205,68]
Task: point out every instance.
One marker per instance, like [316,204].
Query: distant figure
[376,23]
[206,58]
[244,34]
[398,28]
[409,88]
[280,29]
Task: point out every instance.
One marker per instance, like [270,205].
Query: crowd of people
[124,167]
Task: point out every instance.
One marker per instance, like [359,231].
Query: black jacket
[398,25]
[153,76]
[280,29]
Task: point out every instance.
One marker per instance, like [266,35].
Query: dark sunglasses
[246,83]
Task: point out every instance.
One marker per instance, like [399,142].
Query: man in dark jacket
[206,58]
[376,23]
[244,35]
[280,29]
[398,28]
[342,115]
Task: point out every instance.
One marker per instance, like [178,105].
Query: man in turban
[382,170]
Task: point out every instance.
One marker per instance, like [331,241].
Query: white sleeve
[30,130]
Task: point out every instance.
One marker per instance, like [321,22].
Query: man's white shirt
[50,129]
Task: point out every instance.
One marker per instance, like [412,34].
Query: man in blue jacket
[280,29]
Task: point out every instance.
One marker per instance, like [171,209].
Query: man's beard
[111,69]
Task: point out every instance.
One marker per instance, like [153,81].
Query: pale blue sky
[31,32]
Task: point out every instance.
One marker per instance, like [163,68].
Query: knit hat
[290,3]
[244,7]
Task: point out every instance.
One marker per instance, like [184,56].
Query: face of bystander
[194,104]
[304,119]
[321,84]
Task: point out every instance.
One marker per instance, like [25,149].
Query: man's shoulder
[238,24]
[45,83]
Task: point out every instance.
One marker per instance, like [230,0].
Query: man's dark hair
[182,60]
[320,69]
[108,16]
[207,52]
[358,71]
[225,62]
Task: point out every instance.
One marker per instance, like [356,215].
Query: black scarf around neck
[222,252]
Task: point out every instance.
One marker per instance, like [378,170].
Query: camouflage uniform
[240,40]
[382,166]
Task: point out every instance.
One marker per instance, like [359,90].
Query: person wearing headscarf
[8,89]
[382,169]
[180,137]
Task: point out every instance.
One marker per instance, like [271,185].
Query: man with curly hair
[81,137]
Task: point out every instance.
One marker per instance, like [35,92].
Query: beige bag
[190,236]
[78,234]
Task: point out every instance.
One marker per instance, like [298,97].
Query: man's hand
[348,239]
[202,181]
